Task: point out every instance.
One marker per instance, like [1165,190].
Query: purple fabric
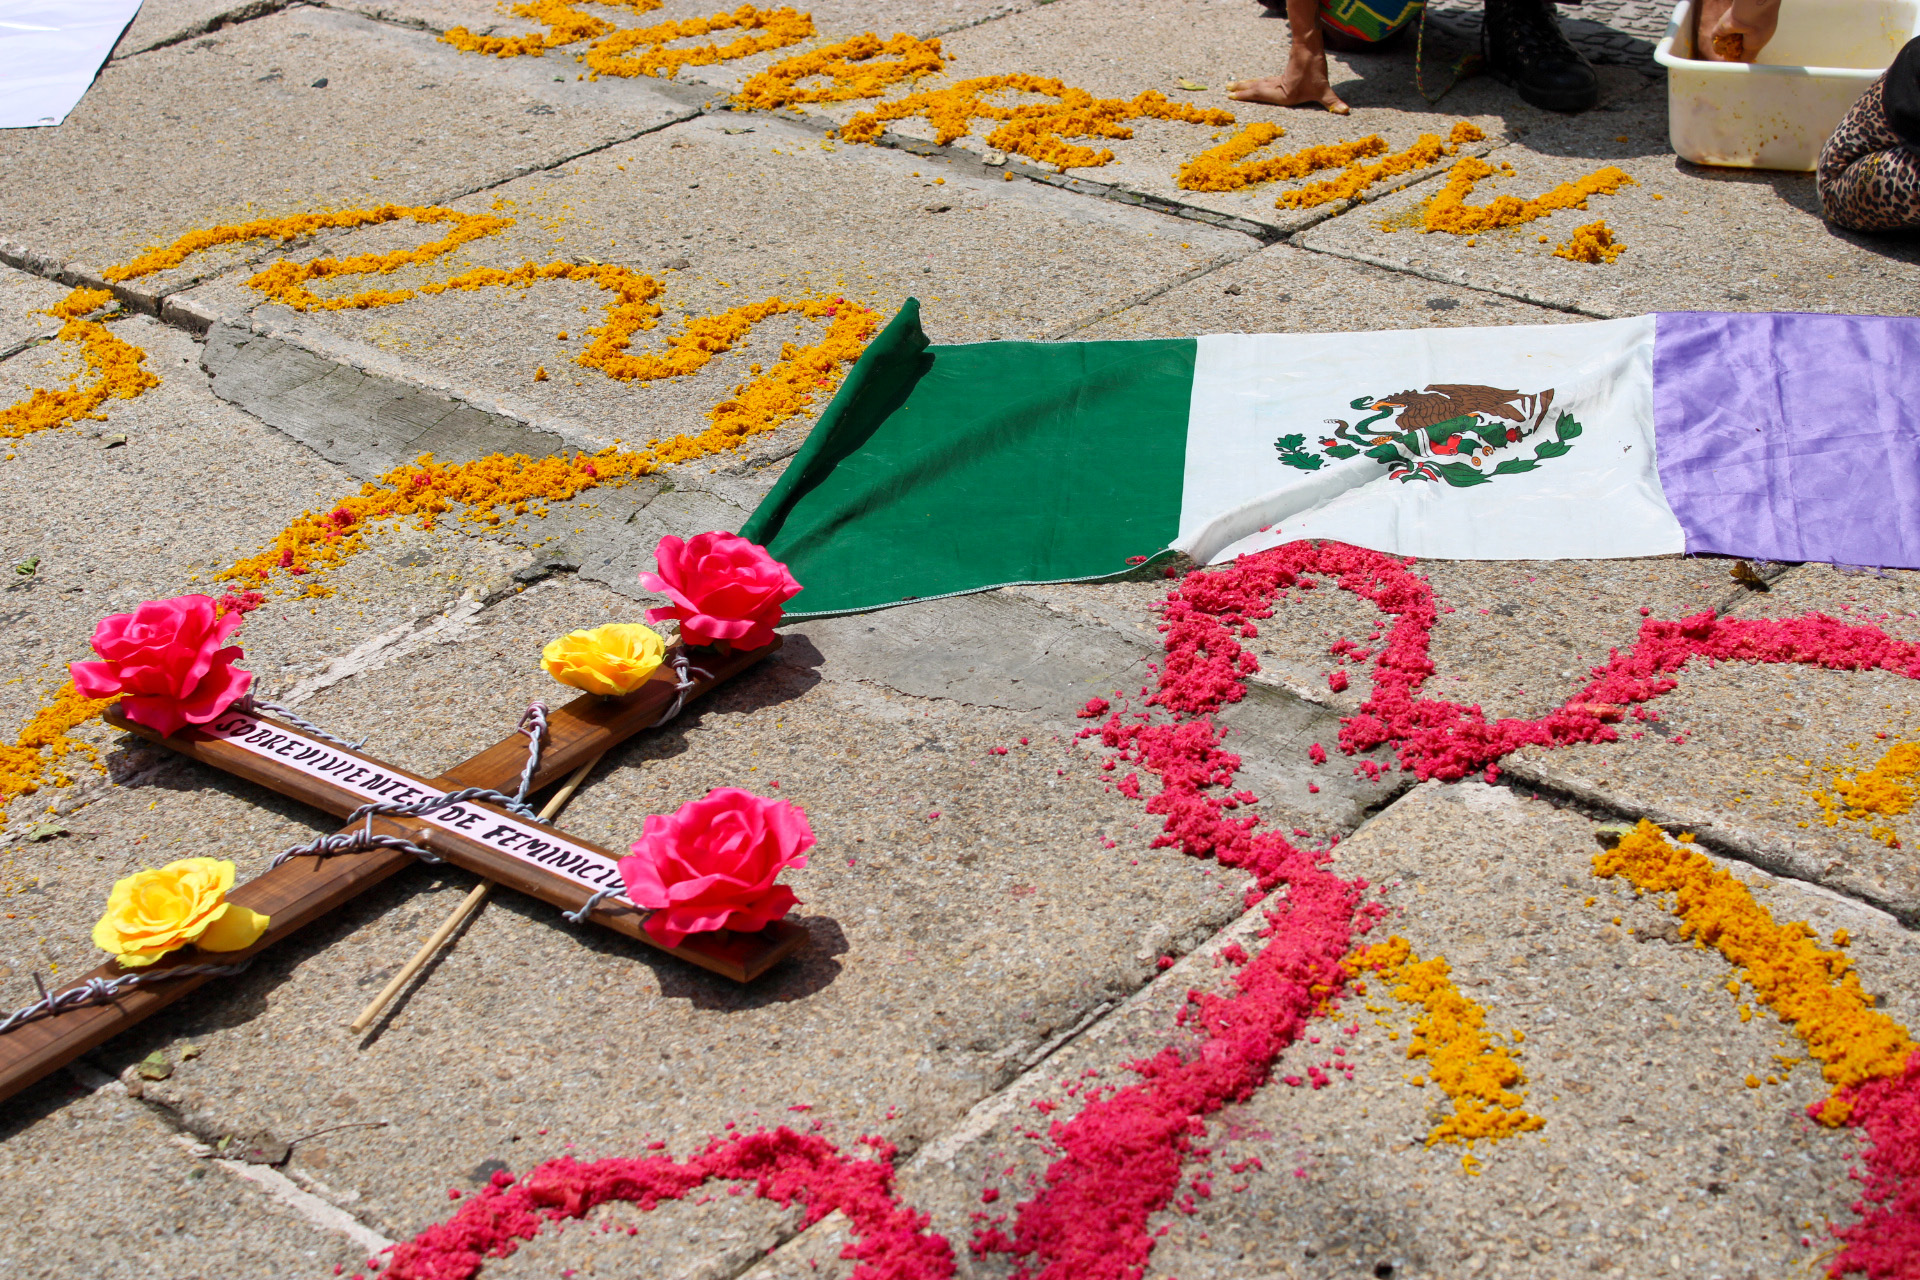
[1788,436]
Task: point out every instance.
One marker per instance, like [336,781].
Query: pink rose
[712,865]
[165,660]
[722,587]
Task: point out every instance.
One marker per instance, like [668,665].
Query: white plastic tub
[1778,112]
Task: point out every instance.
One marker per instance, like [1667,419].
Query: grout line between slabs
[318,1212]
[25,344]
[279,1187]
[1458,281]
[206,26]
[989,1110]
[1185,277]
[1564,793]
[1519,775]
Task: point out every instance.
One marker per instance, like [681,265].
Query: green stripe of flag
[944,469]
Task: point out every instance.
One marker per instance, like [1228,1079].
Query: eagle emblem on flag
[1449,432]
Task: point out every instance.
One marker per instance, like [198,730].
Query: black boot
[1524,46]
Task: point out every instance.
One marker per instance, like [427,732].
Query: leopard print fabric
[1869,180]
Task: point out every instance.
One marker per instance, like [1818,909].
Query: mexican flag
[940,470]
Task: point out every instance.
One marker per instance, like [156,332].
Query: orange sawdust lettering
[631,308]
[286,282]
[1469,1063]
[467,226]
[116,370]
[1887,790]
[767,29]
[29,763]
[565,25]
[1450,212]
[1426,150]
[1593,243]
[499,488]
[1226,167]
[1036,130]
[853,68]
[1814,989]
[81,302]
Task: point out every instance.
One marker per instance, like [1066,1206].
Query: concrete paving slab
[1116,50]
[196,486]
[1655,1157]
[163,22]
[1696,238]
[835,19]
[367,424]
[1285,290]
[226,128]
[987,259]
[24,299]
[1054,661]
[947,949]
[1738,751]
[950,952]
[97,1186]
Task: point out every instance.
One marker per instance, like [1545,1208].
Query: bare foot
[1288,91]
[1305,79]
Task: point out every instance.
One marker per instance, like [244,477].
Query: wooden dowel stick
[565,793]
[468,905]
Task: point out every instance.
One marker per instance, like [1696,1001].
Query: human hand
[1734,30]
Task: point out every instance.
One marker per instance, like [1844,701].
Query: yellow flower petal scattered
[1887,790]
[1465,1060]
[80,302]
[116,367]
[1815,990]
[611,660]
[286,282]
[467,226]
[24,766]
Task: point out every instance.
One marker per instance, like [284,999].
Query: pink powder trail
[783,1166]
[1123,1156]
[1885,1243]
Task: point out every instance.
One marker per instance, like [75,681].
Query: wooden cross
[520,853]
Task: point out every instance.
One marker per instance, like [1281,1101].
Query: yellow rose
[153,912]
[612,660]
